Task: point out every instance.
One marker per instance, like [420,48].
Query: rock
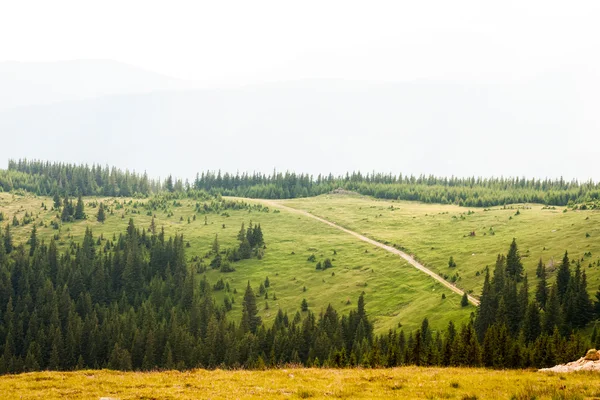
[592,355]
[591,362]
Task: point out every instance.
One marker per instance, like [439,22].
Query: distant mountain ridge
[548,127]
[26,83]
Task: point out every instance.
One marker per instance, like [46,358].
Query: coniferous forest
[45,178]
[134,302]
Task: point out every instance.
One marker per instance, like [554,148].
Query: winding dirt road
[391,249]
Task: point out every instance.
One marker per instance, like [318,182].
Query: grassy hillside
[395,292]
[399,383]
[434,233]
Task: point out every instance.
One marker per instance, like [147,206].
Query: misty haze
[267,199]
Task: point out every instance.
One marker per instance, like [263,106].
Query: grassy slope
[395,292]
[433,233]
[403,383]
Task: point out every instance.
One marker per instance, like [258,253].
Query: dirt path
[391,249]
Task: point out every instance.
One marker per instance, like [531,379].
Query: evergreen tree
[585,311]
[541,293]
[250,319]
[465,300]
[56,199]
[486,311]
[79,209]
[563,276]
[241,234]
[541,269]
[514,266]
[215,245]
[304,305]
[101,216]
[8,241]
[451,263]
[33,241]
[532,324]
[552,315]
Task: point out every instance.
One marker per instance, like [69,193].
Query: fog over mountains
[110,113]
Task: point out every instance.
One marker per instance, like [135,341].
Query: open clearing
[400,383]
[390,249]
[395,291]
[433,233]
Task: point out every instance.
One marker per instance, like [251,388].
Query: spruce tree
[215,245]
[465,300]
[101,216]
[79,209]
[514,266]
[584,305]
[563,276]
[241,234]
[552,314]
[250,319]
[8,241]
[541,293]
[532,324]
[304,305]
[486,311]
[33,241]
[56,199]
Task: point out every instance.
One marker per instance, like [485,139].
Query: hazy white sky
[233,42]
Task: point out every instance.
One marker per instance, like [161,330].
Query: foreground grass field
[473,237]
[400,383]
[395,292]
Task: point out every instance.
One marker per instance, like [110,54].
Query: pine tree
[514,266]
[8,241]
[465,300]
[250,319]
[215,245]
[541,269]
[451,263]
[552,315]
[563,276]
[79,209]
[532,324]
[541,293]
[149,361]
[245,250]
[486,311]
[258,236]
[101,216]
[56,199]
[584,305]
[169,184]
[241,234]
[33,241]
[304,305]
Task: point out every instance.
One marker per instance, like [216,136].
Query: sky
[443,87]
[223,43]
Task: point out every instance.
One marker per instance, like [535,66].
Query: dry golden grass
[403,383]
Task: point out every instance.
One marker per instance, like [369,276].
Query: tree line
[46,178]
[133,302]
[472,192]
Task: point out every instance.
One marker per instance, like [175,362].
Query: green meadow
[396,293]
[472,236]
